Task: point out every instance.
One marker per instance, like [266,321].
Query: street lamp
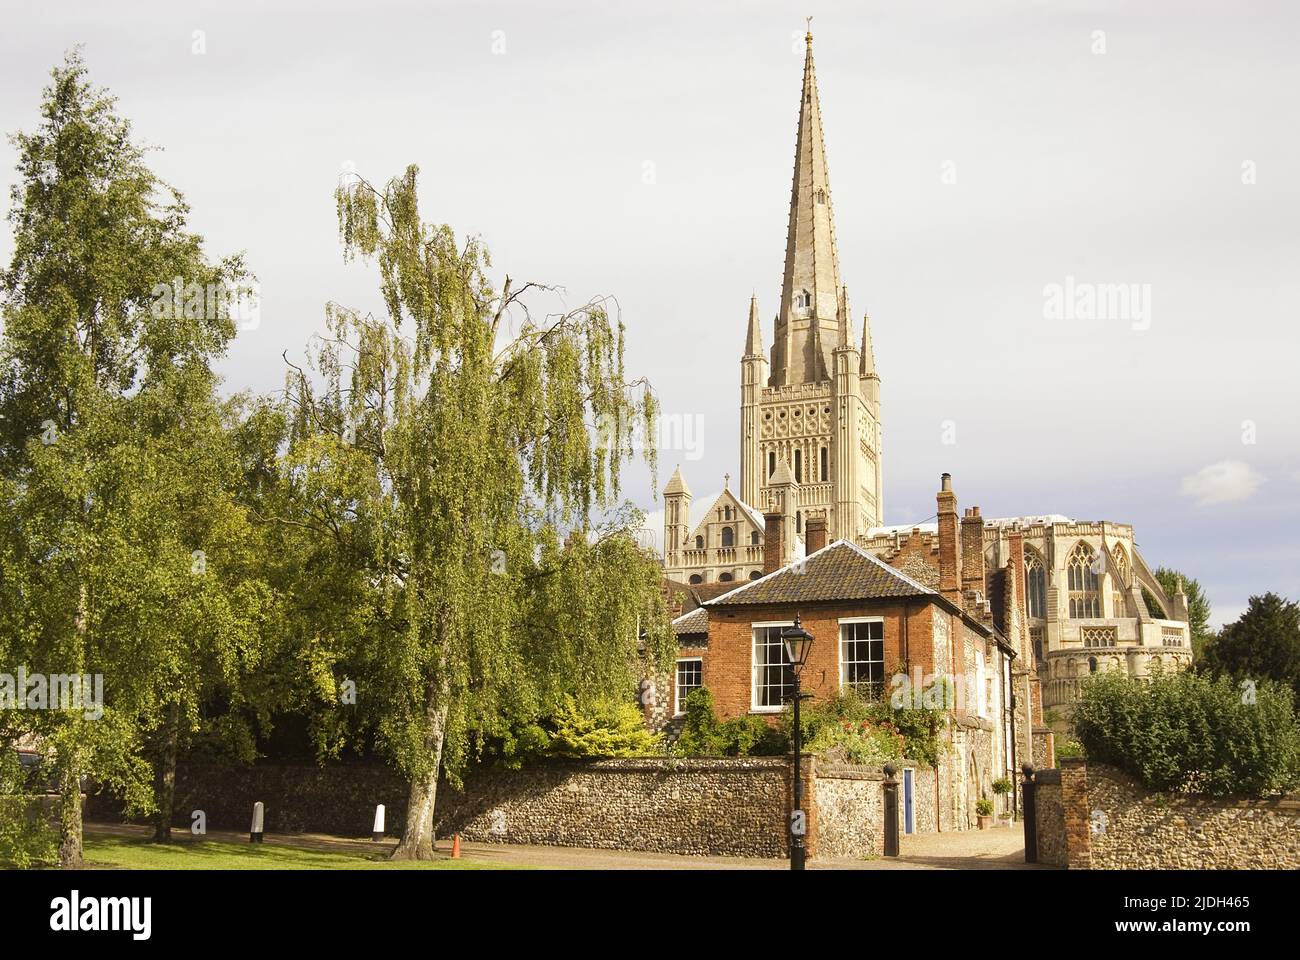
[798,642]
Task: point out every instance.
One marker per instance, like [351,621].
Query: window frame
[848,621]
[678,711]
[754,706]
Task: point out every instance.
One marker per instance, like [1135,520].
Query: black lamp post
[798,642]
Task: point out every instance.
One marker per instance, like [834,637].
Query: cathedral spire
[867,366]
[808,327]
[754,338]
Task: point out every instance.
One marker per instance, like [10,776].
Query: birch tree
[459,441]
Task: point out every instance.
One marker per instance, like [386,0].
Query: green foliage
[984,807]
[1186,732]
[445,452]
[114,462]
[919,727]
[1002,786]
[703,736]
[1262,644]
[1067,748]
[27,837]
[605,729]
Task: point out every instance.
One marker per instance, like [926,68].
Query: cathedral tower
[818,408]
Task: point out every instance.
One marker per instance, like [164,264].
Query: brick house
[880,631]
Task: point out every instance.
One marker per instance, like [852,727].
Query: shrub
[1185,732]
[703,736]
[607,729]
[984,807]
[917,727]
[1001,786]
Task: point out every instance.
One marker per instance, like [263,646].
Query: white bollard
[378,833]
[255,834]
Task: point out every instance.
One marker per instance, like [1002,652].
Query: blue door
[909,818]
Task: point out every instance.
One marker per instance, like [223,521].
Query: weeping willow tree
[468,453]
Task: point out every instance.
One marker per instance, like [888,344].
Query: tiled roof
[695,622]
[840,571]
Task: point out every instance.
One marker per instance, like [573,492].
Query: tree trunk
[165,778]
[70,849]
[417,834]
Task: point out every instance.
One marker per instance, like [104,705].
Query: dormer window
[821,196]
[803,299]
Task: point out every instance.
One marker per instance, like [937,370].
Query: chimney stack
[972,551]
[814,534]
[949,542]
[773,531]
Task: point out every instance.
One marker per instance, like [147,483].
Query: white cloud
[1222,482]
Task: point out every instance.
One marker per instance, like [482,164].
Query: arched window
[1092,664]
[753,537]
[1085,598]
[755,574]
[728,537]
[821,196]
[771,465]
[798,521]
[696,578]
[798,466]
[725,578]
[1035,585]
[699,543]
[1119,577]
[726,513]
[824,465]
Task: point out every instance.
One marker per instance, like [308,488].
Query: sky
[1001,172]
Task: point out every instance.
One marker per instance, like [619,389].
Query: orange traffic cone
[455,846]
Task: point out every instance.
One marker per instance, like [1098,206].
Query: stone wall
[1143,831]
[1049,818]
[1097,817]
[733,807]
[850,811]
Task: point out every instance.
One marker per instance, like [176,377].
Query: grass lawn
[129,853]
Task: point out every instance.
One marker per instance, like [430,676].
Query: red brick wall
[728,660]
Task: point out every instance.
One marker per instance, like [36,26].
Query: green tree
[1198,605]
[1263,643]
[457,459]
[106,406]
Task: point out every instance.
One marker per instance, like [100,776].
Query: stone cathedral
[811,451]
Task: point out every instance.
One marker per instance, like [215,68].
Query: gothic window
[699,543]
[726,513]
[771,465]
[798,466]
[798,521]
[725,578]
[728,537]
[753,537]
[1092,664]
[824,465]
[821,196]
[1085,598]
[1120,579]
[1035,586]
[803,299]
